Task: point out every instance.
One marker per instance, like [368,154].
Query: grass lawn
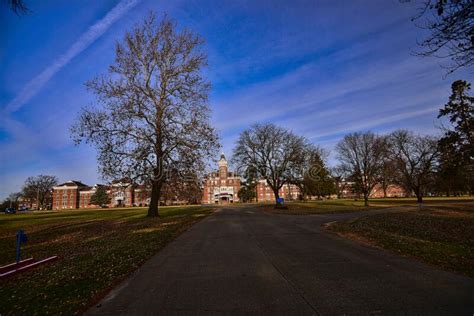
[351,205]
[96,249]
[441,233]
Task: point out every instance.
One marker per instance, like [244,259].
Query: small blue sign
[280,200]
[20,239]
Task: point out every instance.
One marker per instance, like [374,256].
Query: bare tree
[39,189]
[309,170]
[451,26]
[361,156]
[338,174]
[184,190]
[387,174]
[272,151]
[10,201]
[154,114]
[388,170]
[415,160]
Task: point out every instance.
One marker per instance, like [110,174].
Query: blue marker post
[20,238]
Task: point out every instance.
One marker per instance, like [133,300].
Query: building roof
[72,183]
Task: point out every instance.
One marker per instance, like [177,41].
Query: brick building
[67,195]
[265,193]
[75,194]
[391,191]
[221,186]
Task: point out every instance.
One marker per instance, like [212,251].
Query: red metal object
[23,265]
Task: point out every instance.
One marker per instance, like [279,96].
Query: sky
[319,68]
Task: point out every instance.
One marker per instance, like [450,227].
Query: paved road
[241,260]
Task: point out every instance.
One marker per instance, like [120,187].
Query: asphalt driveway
[241,260]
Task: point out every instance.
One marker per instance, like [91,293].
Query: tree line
[420,164]
[36,190]
[37,193]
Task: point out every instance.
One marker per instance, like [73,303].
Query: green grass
[97,249]
[442,235]
[351,205]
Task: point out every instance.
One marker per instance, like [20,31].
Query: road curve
[242,260]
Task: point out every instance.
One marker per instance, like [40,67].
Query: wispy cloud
[372,122]
[85,40]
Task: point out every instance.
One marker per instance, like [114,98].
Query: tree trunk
[366,199]
[419,198]
[155,199]
[277,197]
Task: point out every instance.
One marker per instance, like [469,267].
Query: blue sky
[320,68]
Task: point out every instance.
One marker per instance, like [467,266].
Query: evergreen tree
[100,197]
[457,145]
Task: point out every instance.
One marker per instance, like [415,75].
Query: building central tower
[223,168]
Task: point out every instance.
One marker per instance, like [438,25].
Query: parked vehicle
[10,210]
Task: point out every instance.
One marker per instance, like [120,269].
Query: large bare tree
[39,189]
[415,159]
[272,151]
[154,113]
[361,156]
[451,31]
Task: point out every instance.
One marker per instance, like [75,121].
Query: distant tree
[387,171]
[415,158]
[181,189]
[39,189]
[154,114]
[190,190]
[317,180]
[338,174]
[247,193]
[11,201]
[451,27]
[361,156]
[309,173]
[100,197]
[322,186]
[452,177]
[272,151]
[248,186]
